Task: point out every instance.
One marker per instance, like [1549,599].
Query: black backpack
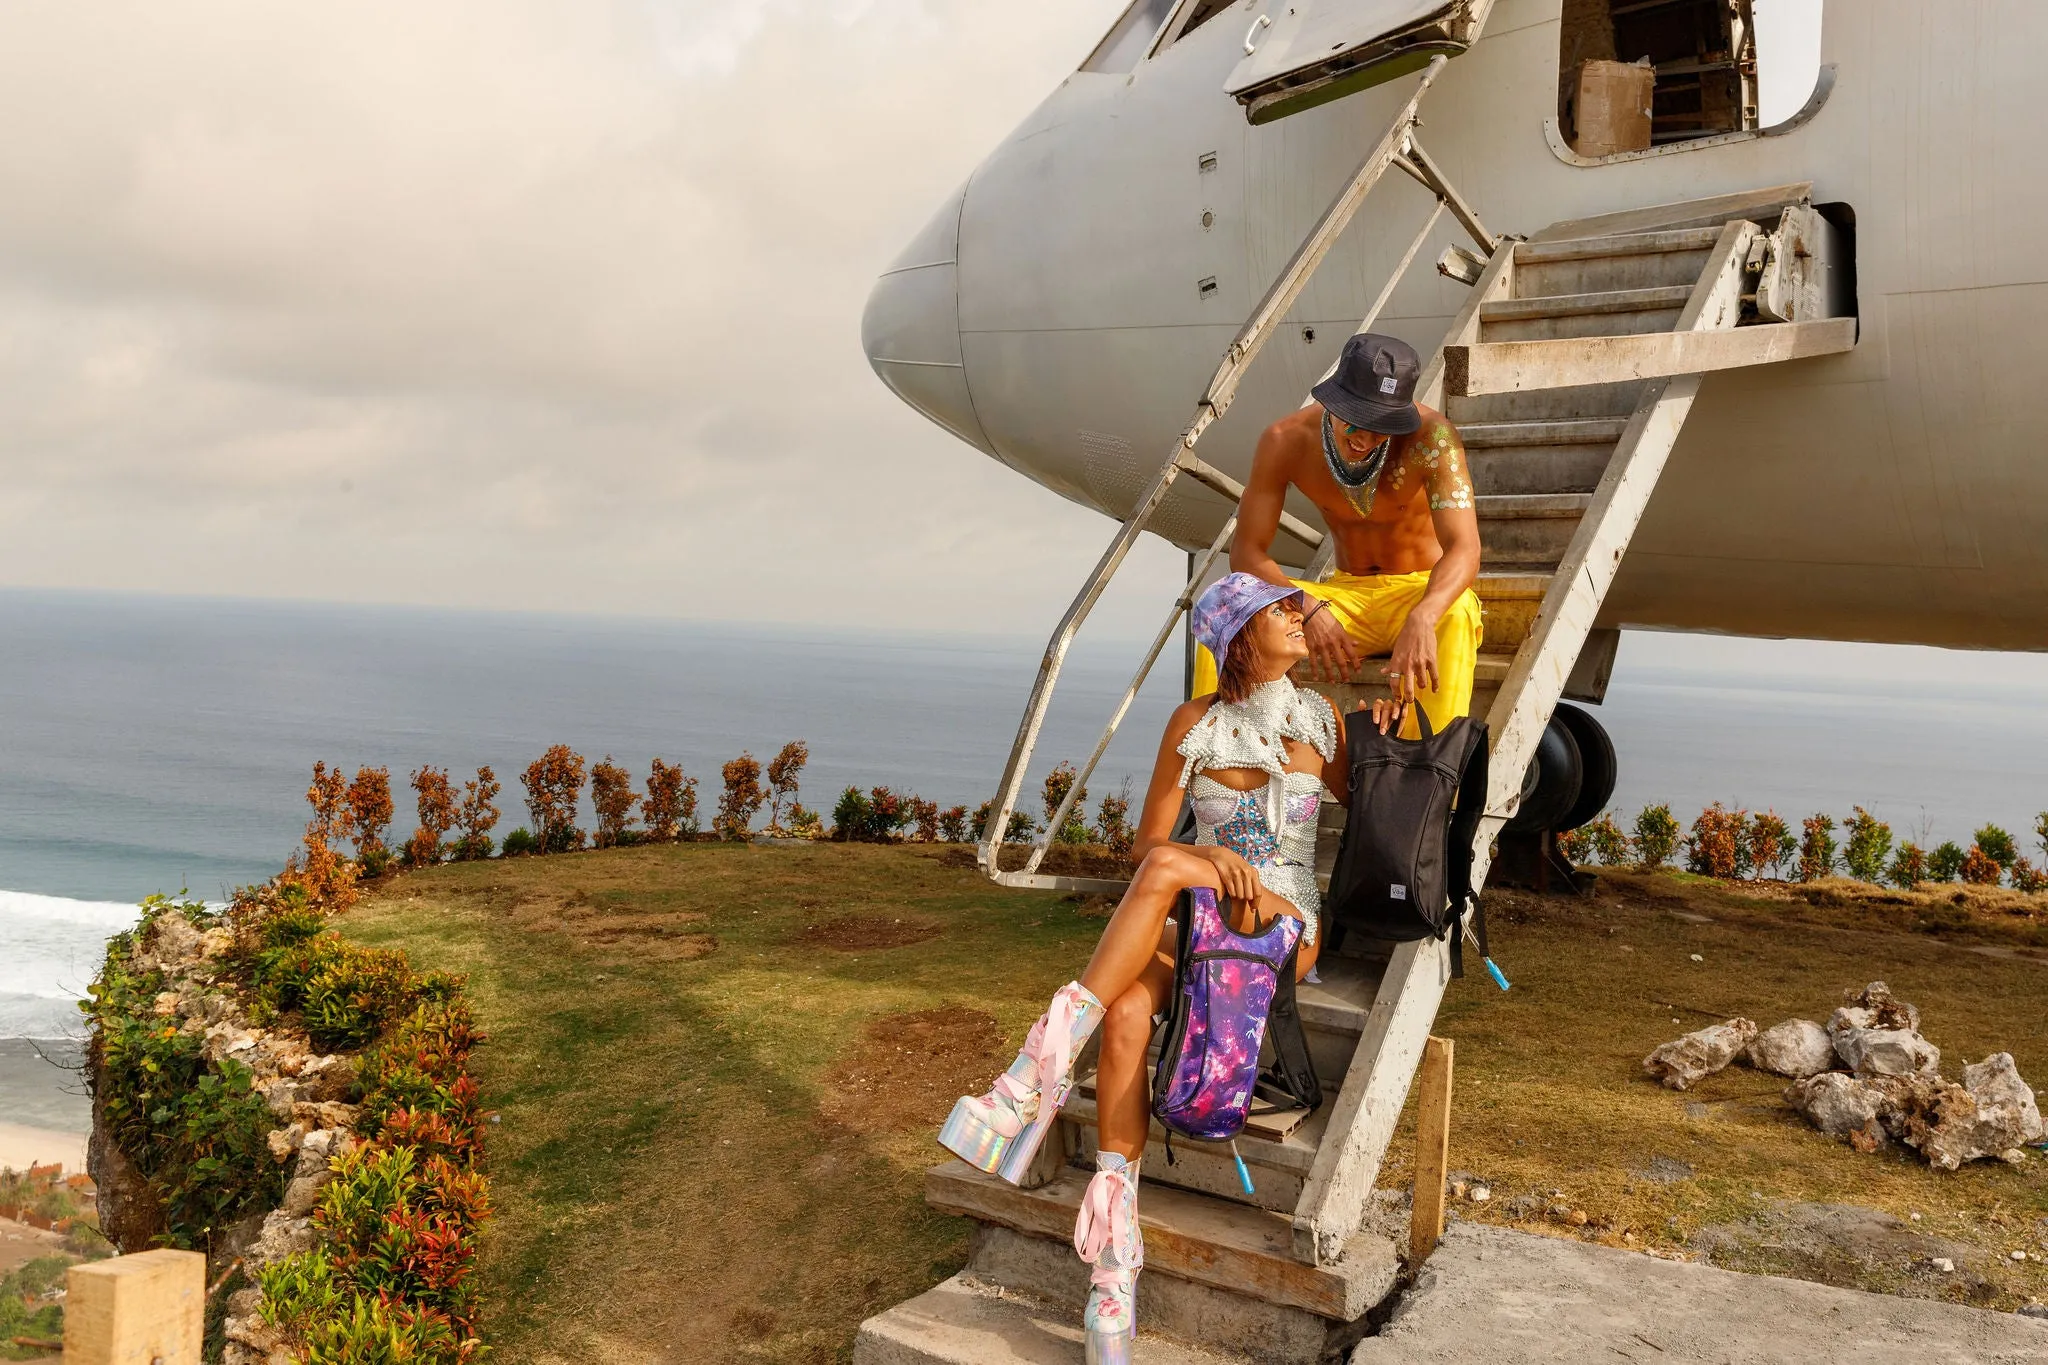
[1404,868]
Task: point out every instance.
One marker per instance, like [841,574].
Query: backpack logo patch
[1398,891]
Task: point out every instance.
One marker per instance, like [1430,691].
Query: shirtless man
[1391,481]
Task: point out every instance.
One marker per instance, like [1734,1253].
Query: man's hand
[1387,713]
[1240,879]
[1413,666]
[1336,658]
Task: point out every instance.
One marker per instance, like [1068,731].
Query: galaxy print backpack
[1226,987]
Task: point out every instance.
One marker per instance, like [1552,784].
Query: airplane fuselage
[1064,311]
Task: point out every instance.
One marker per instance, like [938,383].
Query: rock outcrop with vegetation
[300,1109]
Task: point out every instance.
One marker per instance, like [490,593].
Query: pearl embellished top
[1272,827]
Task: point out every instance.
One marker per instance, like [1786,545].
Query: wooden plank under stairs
[1189,1236]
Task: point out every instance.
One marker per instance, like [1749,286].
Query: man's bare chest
[1396,496]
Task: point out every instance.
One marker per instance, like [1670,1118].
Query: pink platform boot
[1107,1237]
[1001,1131]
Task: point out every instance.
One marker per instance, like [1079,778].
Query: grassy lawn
[719,1068]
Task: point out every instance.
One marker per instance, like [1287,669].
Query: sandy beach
[21,1147]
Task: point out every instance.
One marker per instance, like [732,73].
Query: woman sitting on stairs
[1256,758]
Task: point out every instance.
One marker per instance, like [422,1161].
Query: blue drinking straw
[1243,1175]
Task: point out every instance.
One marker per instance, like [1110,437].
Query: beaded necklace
[1358,479]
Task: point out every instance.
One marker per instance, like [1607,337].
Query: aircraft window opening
[1193,16]
[1129,38]
[1704,59]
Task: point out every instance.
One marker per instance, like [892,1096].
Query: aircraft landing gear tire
[1597,766]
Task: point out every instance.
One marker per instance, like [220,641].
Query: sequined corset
[1285,860]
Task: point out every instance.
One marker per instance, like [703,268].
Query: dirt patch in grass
[1061,860]
[1849,1246]
[657,936]
[854,933]
[908,1069]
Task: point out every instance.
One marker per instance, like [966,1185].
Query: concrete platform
[1490,1297]
[961,1323]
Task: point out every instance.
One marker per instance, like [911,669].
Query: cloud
[527,303]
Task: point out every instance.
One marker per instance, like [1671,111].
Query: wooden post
[145,1309]
[1432,1150]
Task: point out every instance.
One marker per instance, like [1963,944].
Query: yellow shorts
[1372,609]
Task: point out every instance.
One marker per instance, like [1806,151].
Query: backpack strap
[1291,1081]
[1464,831]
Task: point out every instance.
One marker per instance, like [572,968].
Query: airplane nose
[911,326]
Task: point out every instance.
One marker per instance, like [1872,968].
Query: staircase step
[1561,456]
[1629,261]
[1527,506]
[1491,667]
[1510,603]
[1508,470]
[1179,1311]
[1760,205]
[1525,307]
[1278,1168]
[958,1322]
[1566,431]
[1619,244]
[1490,671]
[1616,312]
[1527,530]
[1189,1236]
[1544,405]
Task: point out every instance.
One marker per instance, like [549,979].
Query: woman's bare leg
[1132,936]
[1123,1096]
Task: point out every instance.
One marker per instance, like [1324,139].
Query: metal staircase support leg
[1198,571]
[1216,400]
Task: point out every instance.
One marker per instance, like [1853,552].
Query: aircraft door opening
[1636,75]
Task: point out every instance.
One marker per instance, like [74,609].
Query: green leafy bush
[519,843]
[1998,846]
[1718,845]
[873,817]
[1980,868]
[1909,866]
[1870,844]
[25,1310]
[1946,862]
[1816,847]
[1656,836]
[1770,842]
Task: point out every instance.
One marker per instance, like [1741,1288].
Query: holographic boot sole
[974,1131]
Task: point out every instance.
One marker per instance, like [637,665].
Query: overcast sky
[543,303]
[527,303]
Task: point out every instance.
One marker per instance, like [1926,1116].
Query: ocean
[158,744]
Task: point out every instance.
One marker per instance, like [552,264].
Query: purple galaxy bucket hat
[1225,605]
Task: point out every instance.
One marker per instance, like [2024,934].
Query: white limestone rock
[1839,1104]
[1874,1007]
[2004,1100]
[1797,1048]
[1685,1061]
[1887,1052]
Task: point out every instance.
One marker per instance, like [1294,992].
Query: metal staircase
[1570,373]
